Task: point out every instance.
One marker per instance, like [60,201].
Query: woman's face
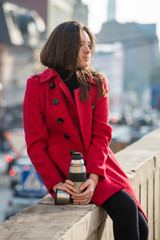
[84,54]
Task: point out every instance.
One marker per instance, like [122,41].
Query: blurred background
[127,53]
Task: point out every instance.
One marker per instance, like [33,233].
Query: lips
[86,59]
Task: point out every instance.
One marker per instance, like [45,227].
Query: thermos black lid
[76,155]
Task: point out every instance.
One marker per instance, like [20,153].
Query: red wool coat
[55,124]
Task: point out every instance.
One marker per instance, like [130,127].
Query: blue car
[27,186]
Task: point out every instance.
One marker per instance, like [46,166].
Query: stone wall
[141,162]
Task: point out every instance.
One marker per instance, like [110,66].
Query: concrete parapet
[141,162]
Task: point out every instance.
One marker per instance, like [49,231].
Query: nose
[86,49]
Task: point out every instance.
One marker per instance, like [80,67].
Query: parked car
[10,158]
[16,142]
[24,179]
[26,184]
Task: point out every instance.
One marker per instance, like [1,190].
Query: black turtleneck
[72,83]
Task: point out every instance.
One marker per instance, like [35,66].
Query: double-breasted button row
[55,101]
[66,136]
[93,106]
[60,120]
[52,85]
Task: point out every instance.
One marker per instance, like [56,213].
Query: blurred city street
[127,54]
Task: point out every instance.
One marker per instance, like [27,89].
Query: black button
[60,120]
[52,85]
[93,106]
[66,136]
[72,151]
[55,101]
[36,75]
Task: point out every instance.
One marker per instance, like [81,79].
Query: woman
[66,110]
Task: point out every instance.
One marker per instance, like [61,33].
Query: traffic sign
[16,141]
[31,183]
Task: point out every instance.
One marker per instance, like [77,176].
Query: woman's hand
[87,188]
[85,197]
[67,186]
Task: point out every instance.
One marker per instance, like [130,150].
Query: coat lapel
[84,110]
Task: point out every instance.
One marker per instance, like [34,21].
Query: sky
[141,11]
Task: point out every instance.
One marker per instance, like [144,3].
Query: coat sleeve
[101,136]
[36,135]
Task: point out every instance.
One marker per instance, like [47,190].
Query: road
[5,192]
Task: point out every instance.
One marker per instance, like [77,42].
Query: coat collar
[51,73]
[48,74]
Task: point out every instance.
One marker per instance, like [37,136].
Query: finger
[82,201]
[80,195]
[72,188]
[85,185]
[70,185]
[62,188]
[87,193]
[85,203]
[69,182]
[68,188]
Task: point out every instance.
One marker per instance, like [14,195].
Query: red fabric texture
[87,128]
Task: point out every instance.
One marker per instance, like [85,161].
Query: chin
[85,65]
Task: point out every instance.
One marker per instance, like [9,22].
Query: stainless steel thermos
[77,174]
[62,197]
[77,171]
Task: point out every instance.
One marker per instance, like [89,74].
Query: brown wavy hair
[60,52]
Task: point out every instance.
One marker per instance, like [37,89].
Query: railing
[141,162]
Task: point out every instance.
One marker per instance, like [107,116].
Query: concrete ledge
[141,161]
[45,220]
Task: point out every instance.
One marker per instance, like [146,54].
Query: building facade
[66,10]
[22,33]
[109,57]
[39,6]
[140,46]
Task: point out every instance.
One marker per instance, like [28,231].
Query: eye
[84,44]
[89,45]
